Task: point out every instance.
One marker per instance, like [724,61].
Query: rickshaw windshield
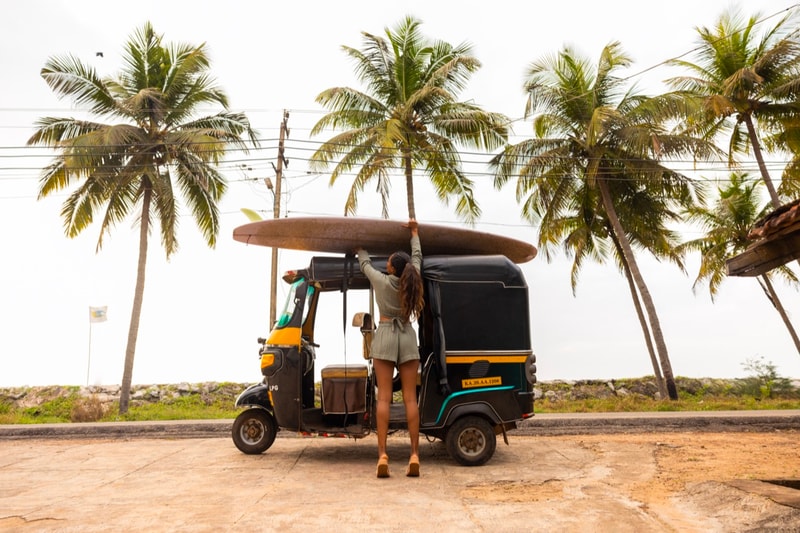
[298,301]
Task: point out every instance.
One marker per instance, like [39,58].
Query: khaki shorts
[395,343]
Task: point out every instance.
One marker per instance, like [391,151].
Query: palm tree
[157,146]
[746,83]
[408,118]
[727,224]
[585,234]
[590,136]
[646,217]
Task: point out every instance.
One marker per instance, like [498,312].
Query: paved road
[541,424]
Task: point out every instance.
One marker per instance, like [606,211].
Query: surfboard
[378,236]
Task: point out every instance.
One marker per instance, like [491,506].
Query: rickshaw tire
[254,431]
[471,441]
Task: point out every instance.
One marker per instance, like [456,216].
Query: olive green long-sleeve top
[386,286]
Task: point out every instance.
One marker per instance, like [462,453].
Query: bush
[88,409]
[764,381]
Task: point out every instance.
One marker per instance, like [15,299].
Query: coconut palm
[155,150]
[408,118]
[591,136]
[584,233]
[748,83]
[727,223]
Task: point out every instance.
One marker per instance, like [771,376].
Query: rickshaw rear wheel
[254,431]
[471,441]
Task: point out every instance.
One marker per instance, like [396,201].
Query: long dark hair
[411,299]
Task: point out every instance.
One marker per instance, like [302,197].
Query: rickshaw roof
[330,272]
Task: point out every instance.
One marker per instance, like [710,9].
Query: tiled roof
[775,241]
[783,220]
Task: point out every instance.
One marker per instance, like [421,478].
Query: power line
[304,146]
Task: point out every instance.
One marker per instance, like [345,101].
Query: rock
[551,395]
[210,392]
[185,388]
[138,394]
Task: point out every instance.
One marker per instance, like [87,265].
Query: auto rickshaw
[477,368]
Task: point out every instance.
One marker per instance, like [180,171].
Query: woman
[399,298]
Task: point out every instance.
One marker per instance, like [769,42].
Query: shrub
[87,409]
[764,381]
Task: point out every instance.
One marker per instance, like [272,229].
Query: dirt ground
[684,459]
[689,479]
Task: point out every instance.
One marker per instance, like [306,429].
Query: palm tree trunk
[762,167]
[133,330]
[637,304]
[766,284]
[412,212]
[644,292]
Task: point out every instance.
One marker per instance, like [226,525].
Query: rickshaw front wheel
[471,441]
[254,431]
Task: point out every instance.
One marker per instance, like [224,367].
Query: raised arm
[416,249]
[413,225]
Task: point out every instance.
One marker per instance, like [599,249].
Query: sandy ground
[676,481]
[695,481]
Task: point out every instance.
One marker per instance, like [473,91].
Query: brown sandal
[413,466]
[383,466]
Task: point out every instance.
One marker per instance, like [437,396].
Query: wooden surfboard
[378,236]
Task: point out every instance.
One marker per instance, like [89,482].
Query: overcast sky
[204,309]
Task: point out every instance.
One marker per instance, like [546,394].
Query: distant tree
[763,382]
[585,234]
[727,224]
[408,118]
[158,148]
[749,85]
[590,136]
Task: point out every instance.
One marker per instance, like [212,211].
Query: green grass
[74,408]
[184,408]
[685,403]
[193,407]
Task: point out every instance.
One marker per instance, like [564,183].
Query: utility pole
[276,211]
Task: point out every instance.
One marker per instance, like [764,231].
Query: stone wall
[24,397]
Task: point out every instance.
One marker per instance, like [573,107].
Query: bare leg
[383,377]
[408,381]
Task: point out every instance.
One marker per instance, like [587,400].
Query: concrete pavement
[558,473]
[619,483]
[541,424]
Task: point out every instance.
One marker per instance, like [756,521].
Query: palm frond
[409,106]
[69,77]
[155,96]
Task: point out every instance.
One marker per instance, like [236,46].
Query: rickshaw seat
[344,389]
[364,322]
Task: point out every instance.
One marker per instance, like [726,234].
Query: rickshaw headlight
[270,363]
